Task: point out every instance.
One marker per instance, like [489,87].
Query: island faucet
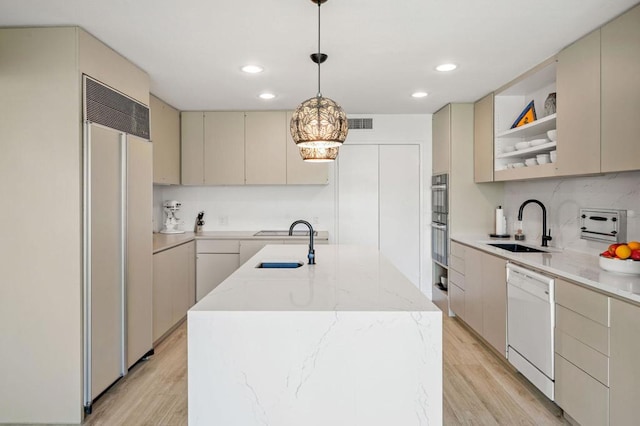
[312,252]
[545,237]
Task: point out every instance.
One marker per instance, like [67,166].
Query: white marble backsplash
[563,199]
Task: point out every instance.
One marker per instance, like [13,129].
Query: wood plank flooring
[479,389]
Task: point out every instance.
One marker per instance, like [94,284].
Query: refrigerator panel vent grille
[112,109]
[360,123]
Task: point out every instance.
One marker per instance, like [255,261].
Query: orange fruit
[623,251]
[633,245]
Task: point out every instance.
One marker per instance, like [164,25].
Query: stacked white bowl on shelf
[543,158]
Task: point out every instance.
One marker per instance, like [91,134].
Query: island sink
[279,265]
[517,248]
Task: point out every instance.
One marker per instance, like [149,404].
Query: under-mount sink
[516,248]
[279,265]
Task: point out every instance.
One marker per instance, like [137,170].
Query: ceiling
[379,51]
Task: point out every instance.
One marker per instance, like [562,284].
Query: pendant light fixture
[319,155]
[319,122]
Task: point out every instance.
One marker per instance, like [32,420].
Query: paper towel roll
[501,228]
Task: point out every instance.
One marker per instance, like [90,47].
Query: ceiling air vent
[360,123]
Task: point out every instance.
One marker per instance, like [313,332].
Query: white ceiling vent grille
[112,109]
[360,123]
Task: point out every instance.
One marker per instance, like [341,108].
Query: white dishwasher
[530,322]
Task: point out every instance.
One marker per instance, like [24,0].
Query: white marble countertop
[163,242]
[345,278]
[569,264]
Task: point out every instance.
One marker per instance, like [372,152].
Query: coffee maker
[171,222]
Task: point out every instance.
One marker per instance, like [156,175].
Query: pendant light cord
[319,54]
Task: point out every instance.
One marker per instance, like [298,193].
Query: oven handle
[439,226]
[439,187]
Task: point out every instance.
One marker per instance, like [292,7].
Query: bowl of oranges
[623,258]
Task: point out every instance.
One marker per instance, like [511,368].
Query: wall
[40,258]
[275,207]
[564,197]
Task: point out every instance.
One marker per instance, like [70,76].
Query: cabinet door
[578,107]
[358,195]
[441,140]
[192,143]
[457,300]
[399,209]
[265,144]
[301,172]
[181,291]
[139,268]
[165,135]
[212,269]
[165,274]
[624,369]
[621,93]
[494,302]
[473,297]
[483,139]
[224,148]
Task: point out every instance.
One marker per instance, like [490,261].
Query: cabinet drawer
[587,303]
[583,329]
[580,395]
[217,246]
[456,263]
[456,278]
[456,300]
[582,356]
[457,249]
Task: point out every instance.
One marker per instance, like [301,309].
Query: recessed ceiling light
[267,96]
[446,67]
[252,69]
[419,94]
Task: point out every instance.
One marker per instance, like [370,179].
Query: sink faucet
[545,237]
[312,252]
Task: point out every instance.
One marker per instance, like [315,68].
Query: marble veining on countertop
[572,265]
[344,278]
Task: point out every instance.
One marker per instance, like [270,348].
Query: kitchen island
[348,341]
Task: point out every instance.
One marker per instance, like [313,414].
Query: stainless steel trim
[86,264]
[123,251]
[439,226]
[439,187]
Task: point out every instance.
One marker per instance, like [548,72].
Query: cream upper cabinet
[620,149]
[483,139]
[266,151]
[624,369]
[441,140]
[224,148]
[192,143]
[578,84]
[300,172]
[165,135]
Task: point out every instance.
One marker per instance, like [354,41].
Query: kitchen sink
[516,248]
[299,233]
[279,265]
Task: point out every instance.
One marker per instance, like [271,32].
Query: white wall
[564,197]
[275,207]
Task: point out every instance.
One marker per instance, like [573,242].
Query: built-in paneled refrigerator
[117,229]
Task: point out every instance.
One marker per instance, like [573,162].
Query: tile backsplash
[563,199]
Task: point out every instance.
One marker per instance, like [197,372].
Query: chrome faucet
[312,252]
[545,237]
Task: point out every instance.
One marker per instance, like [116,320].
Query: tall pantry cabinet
[42,133]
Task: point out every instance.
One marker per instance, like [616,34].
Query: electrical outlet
[223,220]
[315,220]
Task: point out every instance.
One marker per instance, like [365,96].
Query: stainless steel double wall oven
[439,218]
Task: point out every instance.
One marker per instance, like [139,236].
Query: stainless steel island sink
[516,248]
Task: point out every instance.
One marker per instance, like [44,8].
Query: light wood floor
[479,389]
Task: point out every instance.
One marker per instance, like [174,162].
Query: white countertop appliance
[530,321]
[171,222]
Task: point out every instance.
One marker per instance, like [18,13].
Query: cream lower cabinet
[481,302]
[582,354]
[624,391]
[173,287]
[215,261]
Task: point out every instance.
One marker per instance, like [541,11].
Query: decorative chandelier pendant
[318,155]
[319,122]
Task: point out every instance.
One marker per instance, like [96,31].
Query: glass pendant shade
[319,122]
[318,155]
